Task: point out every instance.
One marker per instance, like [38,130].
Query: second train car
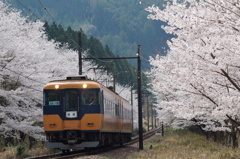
[82,113]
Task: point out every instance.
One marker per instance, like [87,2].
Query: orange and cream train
[81,113]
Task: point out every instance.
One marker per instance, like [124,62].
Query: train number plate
[71,114]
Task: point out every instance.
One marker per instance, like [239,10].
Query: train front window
[52,98]
[90,97]
[71,97]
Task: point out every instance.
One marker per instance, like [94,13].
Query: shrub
[21,150]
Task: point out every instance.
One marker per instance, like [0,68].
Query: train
[82,113]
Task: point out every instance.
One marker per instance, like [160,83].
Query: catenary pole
[139,100]
[80,53]
[132,106]
[147,113]
[152,116]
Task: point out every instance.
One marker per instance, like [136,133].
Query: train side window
[105,104]
[126,114]
[112,108]
[101,101]
[52,98]
[117,110]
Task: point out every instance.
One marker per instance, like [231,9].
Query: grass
[182,144]
[19,151]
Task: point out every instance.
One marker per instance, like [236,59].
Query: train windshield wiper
[91,103]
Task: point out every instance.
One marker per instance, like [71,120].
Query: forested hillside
[122,25]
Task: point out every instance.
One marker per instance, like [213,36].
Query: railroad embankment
[176,144]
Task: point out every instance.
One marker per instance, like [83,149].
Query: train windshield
[71,97]
[52,98]
[90,97]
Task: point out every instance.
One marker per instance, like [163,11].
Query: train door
[71,109]
[119,115]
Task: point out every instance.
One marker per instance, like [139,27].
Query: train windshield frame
[52,98]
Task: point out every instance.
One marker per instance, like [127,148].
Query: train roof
[75,82]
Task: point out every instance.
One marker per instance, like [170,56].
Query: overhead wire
[21,74]
[21,84]
[28,9]
[47,10]
[125,87]
[144,58]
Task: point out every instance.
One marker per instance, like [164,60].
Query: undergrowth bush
[21,150]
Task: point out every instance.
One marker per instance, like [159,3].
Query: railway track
[84,152]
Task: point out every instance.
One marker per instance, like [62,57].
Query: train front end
[72,113]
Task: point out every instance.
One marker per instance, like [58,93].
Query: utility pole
[155,118]
[132,106]
[131,95]
[139,101]
[80,53]
[147,113]
[152,117]
[114,83]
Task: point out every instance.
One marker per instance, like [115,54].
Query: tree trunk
[31,142]
[234,138]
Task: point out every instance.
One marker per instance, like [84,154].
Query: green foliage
[136,132]
[3,102]
[8,84]
[21,150]
[172,131]
[40,124]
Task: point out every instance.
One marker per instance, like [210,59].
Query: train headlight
[56,86]
[84,85]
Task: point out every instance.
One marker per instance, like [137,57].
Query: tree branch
[232,120]
[204,95]
[231,80]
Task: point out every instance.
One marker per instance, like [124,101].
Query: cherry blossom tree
[199,78]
